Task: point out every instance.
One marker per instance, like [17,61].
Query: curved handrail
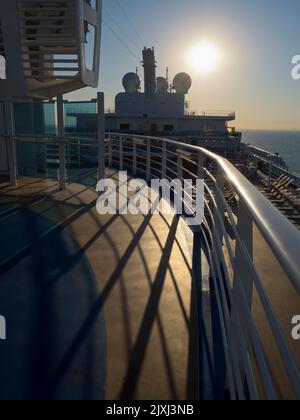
[234,304]
[282,237]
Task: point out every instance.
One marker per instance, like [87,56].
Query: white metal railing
[227,235]
[218,113]
[233,271]
[275,164]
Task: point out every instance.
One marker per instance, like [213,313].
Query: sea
[286,143]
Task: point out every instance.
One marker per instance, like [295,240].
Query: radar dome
[162,84]
[182,83]
[131,82]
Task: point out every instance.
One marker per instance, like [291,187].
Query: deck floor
[96,306]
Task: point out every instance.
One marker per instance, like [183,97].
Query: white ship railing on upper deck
[276,164]
[235,279]
[240,333]
[219,113]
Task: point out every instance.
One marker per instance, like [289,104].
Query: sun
[205,56]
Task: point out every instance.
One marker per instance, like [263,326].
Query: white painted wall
[138,104]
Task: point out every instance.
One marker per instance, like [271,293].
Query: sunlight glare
[205,56]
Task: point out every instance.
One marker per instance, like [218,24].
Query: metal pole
[270,172]
[121,157]
[101,136]
[200,167]
[220,207]
[61,147]
[110,152]
[245,228]
[11,147]
[148,161]
[134,158]
[164,161]
[179,166]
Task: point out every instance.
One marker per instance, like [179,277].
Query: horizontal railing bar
[61,43]
[54,69]
[39,35]
[279,233]
[43,18]
[286,354]
[67,51]
[50,61]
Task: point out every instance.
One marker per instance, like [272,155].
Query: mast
[149,65]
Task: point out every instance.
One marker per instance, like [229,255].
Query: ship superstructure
[160,110]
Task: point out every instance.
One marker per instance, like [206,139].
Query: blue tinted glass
[80,117]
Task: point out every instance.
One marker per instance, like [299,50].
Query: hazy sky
[257,39]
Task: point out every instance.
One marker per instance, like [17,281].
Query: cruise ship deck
[196,303]
[103,306]
[115,307]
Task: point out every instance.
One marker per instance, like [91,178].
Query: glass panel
[39,157]
[81,157]
[35,118]
[81,118]
[34,155]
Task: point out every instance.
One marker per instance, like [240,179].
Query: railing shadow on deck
[234,276]
[45,383]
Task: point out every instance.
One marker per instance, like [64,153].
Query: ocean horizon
[286,143]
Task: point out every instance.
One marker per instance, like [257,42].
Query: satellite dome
[162,84]
[131,82]
[182,83]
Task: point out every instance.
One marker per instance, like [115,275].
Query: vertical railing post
[61,142]
[101,135]
[79,154]
[179,165]
[164,161]
[110,152]
[270,172]
[134,158]
[217,237]
[121,157]
[218,216]
[11,146]
[220,206]
[200,165]
[245,227]
[148,159]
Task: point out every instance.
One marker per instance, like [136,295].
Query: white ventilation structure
[49,47]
